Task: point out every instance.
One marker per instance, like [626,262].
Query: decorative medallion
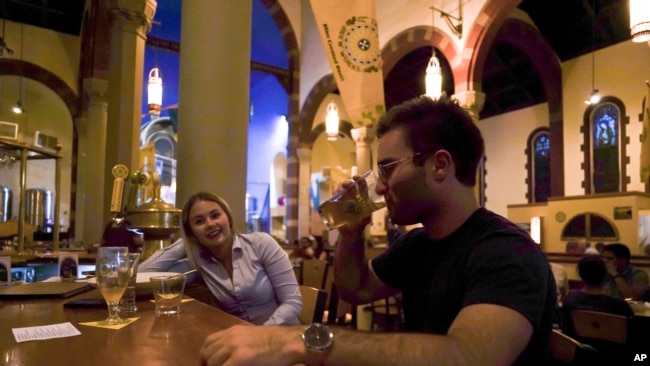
[560,216]
[359,38]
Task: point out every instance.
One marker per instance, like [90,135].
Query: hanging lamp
[332,121]
[640,20]
[154,92]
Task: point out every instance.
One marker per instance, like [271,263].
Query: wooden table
[150,340]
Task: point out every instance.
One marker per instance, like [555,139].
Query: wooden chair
[568,351]
[313,273]
[386,314]
[609,333]
[313,304]
[337,310]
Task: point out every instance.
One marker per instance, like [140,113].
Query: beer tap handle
[119,173]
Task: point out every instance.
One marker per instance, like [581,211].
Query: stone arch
[468,73]
[529,41]
[318,92]
[70,99]
[32,71]
[412,39]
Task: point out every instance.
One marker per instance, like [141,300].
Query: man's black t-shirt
[488,260]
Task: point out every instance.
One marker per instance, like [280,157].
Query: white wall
[621,71]
[505,149]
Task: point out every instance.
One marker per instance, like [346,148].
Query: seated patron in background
[561,281]
[250,275]
[591,250]
[476,289]
[308,248]
[592,296]
[624,280]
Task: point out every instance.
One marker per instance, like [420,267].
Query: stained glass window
[605,152]
[542,167]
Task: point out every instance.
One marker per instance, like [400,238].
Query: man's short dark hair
[591,269]
[438,124]
[620,251]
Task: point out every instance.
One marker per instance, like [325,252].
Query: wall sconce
[457,28]
[433,78]
[536,229]
[154,92]
[640,20]
[332,122]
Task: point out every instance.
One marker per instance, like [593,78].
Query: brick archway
[32,71]
[412,39]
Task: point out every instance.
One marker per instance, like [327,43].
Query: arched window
[539,165]
[590,226]
[604,148]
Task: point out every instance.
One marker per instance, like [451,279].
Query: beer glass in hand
[112,275]
[353,203]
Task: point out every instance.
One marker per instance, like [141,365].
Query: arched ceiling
[565,24]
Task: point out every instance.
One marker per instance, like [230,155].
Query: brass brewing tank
[157,219]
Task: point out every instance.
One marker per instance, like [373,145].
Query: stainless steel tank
[40,208]
[5,203]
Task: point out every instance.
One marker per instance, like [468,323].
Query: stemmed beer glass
[112,274]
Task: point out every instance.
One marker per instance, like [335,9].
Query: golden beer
[352,204]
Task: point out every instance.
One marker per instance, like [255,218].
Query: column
[130,21]
[91,159]
[363,137]
[214,102]
[304,181]
[473,102]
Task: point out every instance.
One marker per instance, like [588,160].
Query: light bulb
[18,108]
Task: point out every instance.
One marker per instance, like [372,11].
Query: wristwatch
[318,338]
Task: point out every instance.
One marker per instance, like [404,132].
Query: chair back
[313,304]
[313,273]
[386,314]
[600,326]
[568,351]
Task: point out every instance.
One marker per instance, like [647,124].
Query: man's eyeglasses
[385,170]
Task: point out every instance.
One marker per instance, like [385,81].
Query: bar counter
[151,340]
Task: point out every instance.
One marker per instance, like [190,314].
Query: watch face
[318,336]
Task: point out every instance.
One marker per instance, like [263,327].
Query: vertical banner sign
[348,30]
[645,138]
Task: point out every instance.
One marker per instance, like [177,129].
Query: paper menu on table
[60,330]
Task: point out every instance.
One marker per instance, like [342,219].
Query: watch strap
[315,357]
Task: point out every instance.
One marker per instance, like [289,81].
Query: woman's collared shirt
[263,289]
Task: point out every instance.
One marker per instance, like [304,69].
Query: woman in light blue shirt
[250,275]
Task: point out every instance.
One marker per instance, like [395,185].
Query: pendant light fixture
[154,92]
[155,86]
[640,20]
[433,77]
[332,122]
[18,107]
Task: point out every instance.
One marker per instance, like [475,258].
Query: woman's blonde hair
[192,246]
